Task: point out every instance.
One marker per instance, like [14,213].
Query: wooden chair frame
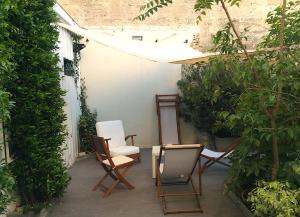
[162,195]
[113,171]
[171,98]
[136,156]
[211,160]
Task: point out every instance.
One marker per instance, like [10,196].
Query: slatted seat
[119,160]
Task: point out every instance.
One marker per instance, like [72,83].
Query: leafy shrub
[7,184]
[268,108]
[87,122]
[292,172]
[6,66]
[207,91]
[275,199]
[36,127]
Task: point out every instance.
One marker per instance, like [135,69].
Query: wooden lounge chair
[167,107]
[115,167]
[117,145]
[176,167]
[218,156]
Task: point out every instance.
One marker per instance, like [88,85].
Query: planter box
[238,203]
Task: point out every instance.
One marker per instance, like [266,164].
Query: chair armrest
[130,136]
[106,140]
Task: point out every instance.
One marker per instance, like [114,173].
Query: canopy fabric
[165,53]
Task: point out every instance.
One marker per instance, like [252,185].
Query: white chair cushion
[119,160]
[124,150]
[113,130]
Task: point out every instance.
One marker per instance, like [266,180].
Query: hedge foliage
[6,66]
[36,126]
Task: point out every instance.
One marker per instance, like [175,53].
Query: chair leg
[100,182]
[111,188]
[196,193]
[200,176]
[122,179]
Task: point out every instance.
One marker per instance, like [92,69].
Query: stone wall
[120,13]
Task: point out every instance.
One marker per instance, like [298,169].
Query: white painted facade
[72,106]
[122,86]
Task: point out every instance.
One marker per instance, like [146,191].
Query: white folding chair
[114,131]
[176,167]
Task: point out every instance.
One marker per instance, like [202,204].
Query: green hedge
[36,126]
[6,66]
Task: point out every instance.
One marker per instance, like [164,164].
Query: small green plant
[292,172]
[87,121]
[275,199]
[7,184]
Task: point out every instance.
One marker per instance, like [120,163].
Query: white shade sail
[165,53]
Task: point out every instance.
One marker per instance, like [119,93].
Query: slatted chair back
[101,148]
[176,166]
[180,160]
[168,119]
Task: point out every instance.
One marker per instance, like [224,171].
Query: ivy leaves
[87,121]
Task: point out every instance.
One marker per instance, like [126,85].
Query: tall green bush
[269,107]
[207,91]
[6,66]
[36,127]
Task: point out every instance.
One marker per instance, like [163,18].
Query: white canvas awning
[166,53]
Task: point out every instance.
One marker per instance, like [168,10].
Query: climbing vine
[87,121]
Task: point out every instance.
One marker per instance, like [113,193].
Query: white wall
[72,106]
[121,86]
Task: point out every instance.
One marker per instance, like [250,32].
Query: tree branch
[234,29]
[282,26]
